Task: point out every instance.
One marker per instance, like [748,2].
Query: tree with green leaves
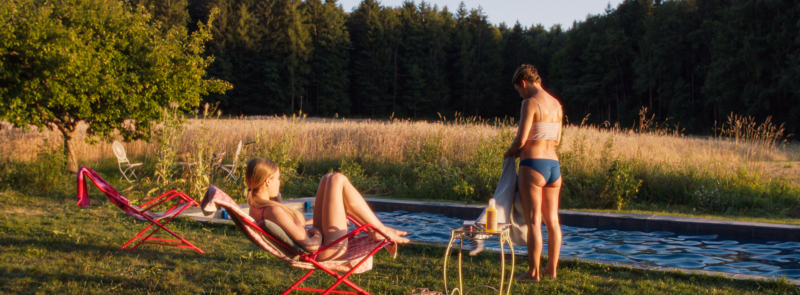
[169,13]
[411,58]
[290,40]
[100,62]
[374,58]
[437,26]
[328,79]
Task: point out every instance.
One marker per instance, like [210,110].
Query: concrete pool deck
[628,222]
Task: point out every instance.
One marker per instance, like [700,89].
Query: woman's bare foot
[530,275]
[398,232]
[391,233]
[551,273]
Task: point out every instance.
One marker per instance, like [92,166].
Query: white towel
[508,205]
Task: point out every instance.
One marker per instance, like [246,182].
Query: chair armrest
[354,221]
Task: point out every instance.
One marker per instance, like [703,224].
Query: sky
[527,12]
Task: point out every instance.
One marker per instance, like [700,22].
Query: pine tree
[328,78]
[373,60]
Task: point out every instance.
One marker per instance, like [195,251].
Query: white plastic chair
[230,168]
[122,162]
[216,163]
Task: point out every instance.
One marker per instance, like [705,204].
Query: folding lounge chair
[159,220]
[122,162]
[230,168]
[357,259]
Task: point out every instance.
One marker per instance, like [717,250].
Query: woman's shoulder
[528,103]
[270,210]
[553,100]
[260,213]
[549,102]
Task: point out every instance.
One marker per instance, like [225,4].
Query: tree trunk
[69,152]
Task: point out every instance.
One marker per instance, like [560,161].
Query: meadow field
[647,168]
[46,245]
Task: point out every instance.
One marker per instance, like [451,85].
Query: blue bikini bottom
[546,167]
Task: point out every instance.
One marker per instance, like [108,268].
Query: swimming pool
[765,258]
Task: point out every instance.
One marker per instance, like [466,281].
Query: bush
[619,186]
[44,173]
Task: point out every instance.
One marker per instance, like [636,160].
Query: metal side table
[502,235]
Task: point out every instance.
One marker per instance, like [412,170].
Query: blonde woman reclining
[336,199]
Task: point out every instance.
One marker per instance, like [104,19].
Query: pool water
[766,258]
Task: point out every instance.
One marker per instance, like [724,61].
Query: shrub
[619,186]
[44,173]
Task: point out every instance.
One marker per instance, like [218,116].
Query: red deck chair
[357,259]
[159,220]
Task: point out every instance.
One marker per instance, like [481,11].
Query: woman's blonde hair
[257,172]
[526,72]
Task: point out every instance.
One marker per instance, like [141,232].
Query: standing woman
[539,173]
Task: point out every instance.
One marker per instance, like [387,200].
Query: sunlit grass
[459,160]
[49,245]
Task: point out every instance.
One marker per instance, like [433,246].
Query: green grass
[50,245]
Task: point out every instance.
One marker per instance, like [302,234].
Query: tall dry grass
[391,141]
[603,166]
[314,138]
[707,154]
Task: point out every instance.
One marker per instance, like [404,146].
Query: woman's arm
[525,123]
[561,123]
[309,240]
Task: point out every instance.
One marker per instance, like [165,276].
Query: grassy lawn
[49,245]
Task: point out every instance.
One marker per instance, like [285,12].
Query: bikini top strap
[262,214]
[540,108]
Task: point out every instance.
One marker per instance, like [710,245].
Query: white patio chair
[125,167]
[216,163]
[230,168]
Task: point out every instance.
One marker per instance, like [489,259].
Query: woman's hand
[315,239]
[510,153]
[313,232]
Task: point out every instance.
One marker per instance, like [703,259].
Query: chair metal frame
[231,168]
[160,221]
[216,163]
[123,162]
[246,222]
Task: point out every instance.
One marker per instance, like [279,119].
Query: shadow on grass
[144,251]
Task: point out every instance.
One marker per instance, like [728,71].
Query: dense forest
[692,61]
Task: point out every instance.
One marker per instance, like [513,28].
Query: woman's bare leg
[530,193]
[550,202]
[319,202]
[333,221]
[336,198]
[357,207]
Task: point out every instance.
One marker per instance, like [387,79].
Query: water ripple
[772,258]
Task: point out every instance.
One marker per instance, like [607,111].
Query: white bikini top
[543,130]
